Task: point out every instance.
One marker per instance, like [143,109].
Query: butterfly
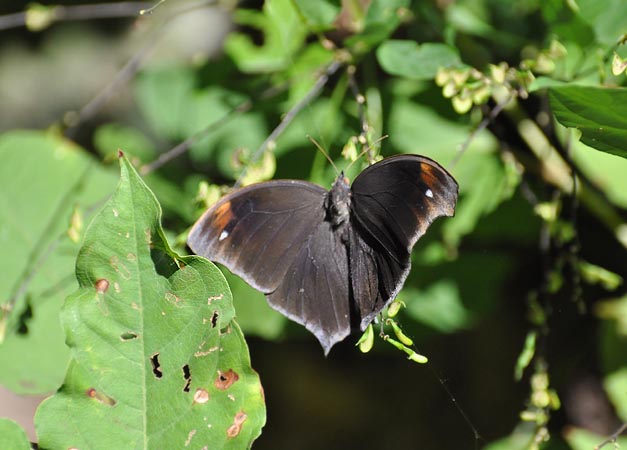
[330,260]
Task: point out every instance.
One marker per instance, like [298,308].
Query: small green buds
[366,341]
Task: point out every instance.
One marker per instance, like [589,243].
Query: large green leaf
[42,179]
[598,112]
[419,62]
[157,359]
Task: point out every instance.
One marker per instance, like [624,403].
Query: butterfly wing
[274,236]
[393,204]
[258,231]
[315,290]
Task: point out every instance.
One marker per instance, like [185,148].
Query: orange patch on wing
[223,215]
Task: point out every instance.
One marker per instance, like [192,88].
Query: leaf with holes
[157,360]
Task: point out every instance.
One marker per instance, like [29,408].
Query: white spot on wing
[429,193]
[223,235]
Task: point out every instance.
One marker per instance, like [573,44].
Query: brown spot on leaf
[225,380]
[119,267]
[201,396]
[173,299]
[102,285]
[101,397]
[234,429]
[190,435]
[198,354]
[212,299]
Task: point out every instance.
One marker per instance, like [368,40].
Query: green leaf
[283,34]
[599,113]
[438,306]
[411,60]
[320,14]
[605,170]
[163,97]
[157,359]
[382,18]
[13,436]
[580,439]
[616,388]
[42,179]
[608,18]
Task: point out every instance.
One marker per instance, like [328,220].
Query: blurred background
[525,284]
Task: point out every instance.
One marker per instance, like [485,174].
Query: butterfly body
[329,260]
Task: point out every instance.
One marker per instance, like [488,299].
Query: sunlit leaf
[155,350]
[597,112]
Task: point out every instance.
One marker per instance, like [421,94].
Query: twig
[127,72]
[482,125]
[181,148]
[123,76]
[613,437]
[78,12]
[313,92]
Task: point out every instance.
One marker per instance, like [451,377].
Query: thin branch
[484,123]
[60,13]
[613,438]
[181,148]
[291,114]
[126,73]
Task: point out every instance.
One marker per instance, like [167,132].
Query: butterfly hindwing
[315,290]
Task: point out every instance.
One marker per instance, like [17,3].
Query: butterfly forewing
[393,203]
[258,231]
[399,197]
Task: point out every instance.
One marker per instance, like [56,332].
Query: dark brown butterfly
[329,260]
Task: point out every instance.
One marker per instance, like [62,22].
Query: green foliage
[44,178]
[492,90]
[598,112]
[12,436]
[418,62]
[163,324]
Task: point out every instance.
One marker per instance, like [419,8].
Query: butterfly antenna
[366,150]
[324,152]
